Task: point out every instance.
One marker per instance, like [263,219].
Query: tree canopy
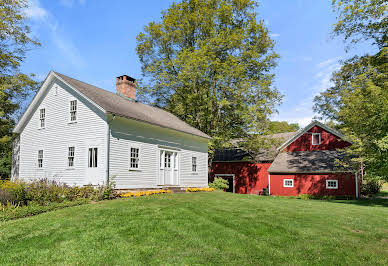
[14,86]
[210,62]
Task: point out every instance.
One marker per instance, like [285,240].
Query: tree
[361,20]
[282,126]
[209,62]
[358,100]
[14,86]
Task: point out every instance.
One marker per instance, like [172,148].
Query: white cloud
[35,11]
[70,3]
[274,35]
[44,19]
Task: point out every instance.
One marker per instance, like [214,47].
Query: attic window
[316,138]
[73,111]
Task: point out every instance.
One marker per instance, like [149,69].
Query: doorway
[169,168]
[230,179]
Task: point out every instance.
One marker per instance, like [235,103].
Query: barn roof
[116,104]
[308,162]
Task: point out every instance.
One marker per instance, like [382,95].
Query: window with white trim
[316,138]
[92,157]
[70,156]
[73,110]
[331,184]
[194,164]
[40,158]
[134,157]
[42,118]
[288,182]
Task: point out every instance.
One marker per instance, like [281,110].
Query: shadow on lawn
[365,202]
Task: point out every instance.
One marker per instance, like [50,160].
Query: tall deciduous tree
[358,100]
[14,86]
[209,62]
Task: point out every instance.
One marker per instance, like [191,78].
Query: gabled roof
[308,162]
[117,105]
[308,127]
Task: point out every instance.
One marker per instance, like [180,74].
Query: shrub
[6,197]
[219,184]
[371,187]
[16,189]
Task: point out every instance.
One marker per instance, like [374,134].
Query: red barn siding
[313,184]
[328,141]
[250,178]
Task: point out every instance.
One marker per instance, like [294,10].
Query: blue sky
[95,41]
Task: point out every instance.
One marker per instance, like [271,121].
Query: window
[42,117]
[194,164]
[167,159]
[70,157]
[73,111]
[288,182]
[331,184]
[134,158]
[316,138]
[40,158]
[92,158]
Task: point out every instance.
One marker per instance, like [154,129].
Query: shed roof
[308,162]
[116,104]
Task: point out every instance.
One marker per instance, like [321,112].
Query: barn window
[70,156]
[288,182]
[40,158]
[194,164]
[92,158]
[73,111]
[134,158]
[331,184]
[316,138]
[42,118]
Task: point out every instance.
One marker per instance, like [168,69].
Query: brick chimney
[126,86]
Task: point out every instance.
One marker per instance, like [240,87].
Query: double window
[70,156]
[134,157]
[42,118]
[316,138]
[40,159]
[288,182]
[331,184]
[92,157]
[194,164]
[73,111]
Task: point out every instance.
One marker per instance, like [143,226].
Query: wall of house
[250,178]
[151,139]
[313,184]
[328,141]
[59,134]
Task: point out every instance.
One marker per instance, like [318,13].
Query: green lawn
[202,228]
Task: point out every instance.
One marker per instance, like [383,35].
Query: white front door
[168,174]
[92,171]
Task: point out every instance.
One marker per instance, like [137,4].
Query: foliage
[324,197]
[362,20]
[371,186]
[144,193]
[282,126]
[210,62]
[202,228]
[200,189]
[219,183]
[14,86]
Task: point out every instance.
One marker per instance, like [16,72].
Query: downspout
[356,179]
[108,132]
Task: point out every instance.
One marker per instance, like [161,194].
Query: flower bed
[144,193]
[196,189]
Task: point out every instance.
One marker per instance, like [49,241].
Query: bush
[6,197]
[371,187]
[219,184]
[16,191]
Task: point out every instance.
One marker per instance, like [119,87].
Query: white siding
[59,134]
[125,133]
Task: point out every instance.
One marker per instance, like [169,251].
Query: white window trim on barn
[68,156]
[332,181]
[40,161]
[139,158]
[42,118]
[312,138]
[71,111]
[285,181]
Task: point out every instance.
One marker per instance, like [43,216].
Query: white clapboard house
[78,134]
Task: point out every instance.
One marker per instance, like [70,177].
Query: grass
[384,191]
[202,228]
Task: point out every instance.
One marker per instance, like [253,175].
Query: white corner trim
[308,127]
[269,184]
[356,180]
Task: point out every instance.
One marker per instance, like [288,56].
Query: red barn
[306,163]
